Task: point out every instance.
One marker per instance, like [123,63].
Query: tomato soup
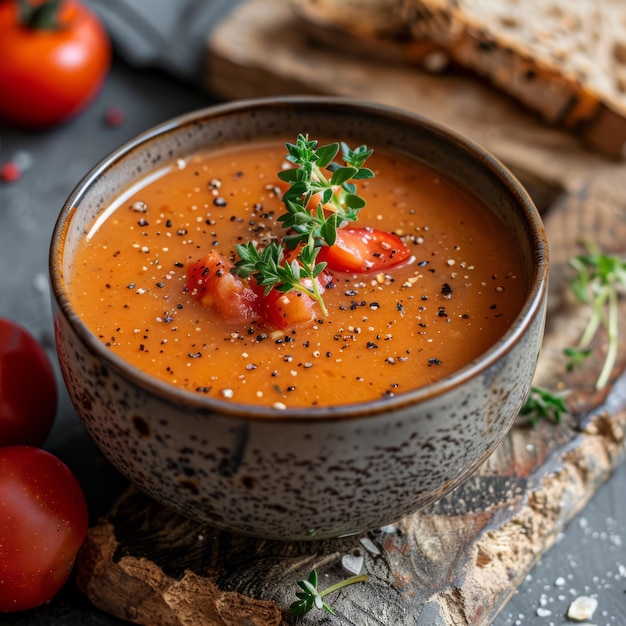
[385,333]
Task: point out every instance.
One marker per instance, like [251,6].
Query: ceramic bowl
[305,473]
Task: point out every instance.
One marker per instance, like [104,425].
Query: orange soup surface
[385,334]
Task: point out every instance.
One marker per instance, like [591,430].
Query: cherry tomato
[49,74]
[28,392]
[364,250]
[211,282]
[43,522]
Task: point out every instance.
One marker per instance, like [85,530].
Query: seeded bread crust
[563,59]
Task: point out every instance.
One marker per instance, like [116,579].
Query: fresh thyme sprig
[267,265]
[311,597]
[598,280]
[316,179]
[542,403]
[338,195]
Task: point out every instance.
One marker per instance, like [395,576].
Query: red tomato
[48,75]
[364,250]
[211,282]
[43,522]
[28,392]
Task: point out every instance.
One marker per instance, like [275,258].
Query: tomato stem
[40,16]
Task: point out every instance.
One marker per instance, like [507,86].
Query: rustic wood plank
[460,560]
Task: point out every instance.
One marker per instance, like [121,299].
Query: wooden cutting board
[461,559]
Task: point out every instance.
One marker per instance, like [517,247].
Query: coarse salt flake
[352,563]
[369,545]
[582,608]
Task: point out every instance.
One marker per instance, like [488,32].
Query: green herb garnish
[310,597]
[542,403]
[598,279]
[309,228]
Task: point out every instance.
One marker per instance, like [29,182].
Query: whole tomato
[54,56]
[43,522]
[28,392]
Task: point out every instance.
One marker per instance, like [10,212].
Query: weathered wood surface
[460,560]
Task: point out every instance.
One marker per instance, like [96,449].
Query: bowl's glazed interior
[304,473]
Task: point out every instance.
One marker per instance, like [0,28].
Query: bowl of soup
[298,317]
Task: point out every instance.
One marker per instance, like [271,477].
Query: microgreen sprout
[321,198]
[311,597]
[599,277]
[542,403]
[598,280]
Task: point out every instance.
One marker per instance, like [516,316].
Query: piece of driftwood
[461,559]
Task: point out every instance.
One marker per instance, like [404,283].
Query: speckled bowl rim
[188,399]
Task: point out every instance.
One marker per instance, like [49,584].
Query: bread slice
[564,59]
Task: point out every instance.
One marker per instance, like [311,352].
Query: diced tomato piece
[364,250]
[212,283]
[285,310]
